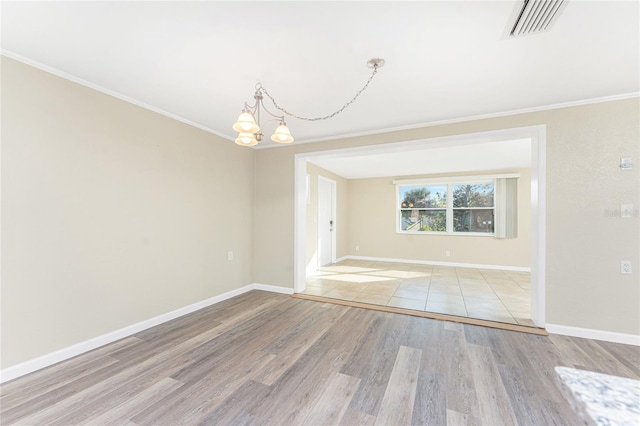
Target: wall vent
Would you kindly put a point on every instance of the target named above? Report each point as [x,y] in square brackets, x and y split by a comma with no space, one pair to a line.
[536,16]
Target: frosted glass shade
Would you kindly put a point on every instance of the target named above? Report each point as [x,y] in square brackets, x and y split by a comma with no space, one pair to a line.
[282,134]
[246,124]
[246,139]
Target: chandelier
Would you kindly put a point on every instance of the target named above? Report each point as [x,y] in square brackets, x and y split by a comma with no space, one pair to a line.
[250,132]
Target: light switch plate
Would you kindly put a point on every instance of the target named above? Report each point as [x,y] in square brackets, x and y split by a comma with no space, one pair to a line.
[626,211]
[626,163]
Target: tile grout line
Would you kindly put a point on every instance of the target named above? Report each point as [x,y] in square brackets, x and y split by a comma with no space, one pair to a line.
[464,299]
[404,273]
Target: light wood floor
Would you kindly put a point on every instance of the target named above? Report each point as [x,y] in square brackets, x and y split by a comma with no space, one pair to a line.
[263,358]
[486,294]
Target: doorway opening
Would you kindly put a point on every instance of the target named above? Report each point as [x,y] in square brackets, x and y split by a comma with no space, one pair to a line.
[535,135]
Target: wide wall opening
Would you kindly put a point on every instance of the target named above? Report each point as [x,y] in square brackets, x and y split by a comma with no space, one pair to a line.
[450,225]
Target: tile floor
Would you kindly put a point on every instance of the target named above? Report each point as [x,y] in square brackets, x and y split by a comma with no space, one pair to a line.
[494,295]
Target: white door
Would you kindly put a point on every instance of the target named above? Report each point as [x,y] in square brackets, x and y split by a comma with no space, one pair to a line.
[326,221]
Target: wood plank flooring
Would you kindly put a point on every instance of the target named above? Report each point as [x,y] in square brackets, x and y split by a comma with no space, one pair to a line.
[263,358]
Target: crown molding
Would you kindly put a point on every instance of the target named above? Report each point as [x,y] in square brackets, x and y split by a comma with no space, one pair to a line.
[117,95]
[70,77]
[582,102]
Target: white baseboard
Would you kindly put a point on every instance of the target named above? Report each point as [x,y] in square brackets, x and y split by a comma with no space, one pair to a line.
[63,354]
[271,288]
[434,263]
[340,259]
[607,336]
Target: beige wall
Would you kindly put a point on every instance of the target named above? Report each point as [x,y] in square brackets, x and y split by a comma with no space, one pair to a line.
[111,214]
[341,220]
[585,243]
[372,227]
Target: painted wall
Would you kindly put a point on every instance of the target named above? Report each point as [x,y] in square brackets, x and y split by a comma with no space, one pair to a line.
[585,241]
[341,220]
[111,214]
[372,227]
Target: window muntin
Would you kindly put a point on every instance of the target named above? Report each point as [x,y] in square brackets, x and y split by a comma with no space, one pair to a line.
[453,208]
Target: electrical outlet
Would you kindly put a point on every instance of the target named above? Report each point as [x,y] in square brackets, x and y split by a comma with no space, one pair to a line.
[357,248]
[625,267]
[626,211]
[447,253]
[229,255]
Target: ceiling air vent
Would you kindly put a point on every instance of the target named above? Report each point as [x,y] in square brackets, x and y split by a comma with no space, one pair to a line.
[536,16]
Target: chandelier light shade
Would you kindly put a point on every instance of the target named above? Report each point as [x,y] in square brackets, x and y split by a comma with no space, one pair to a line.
[249,127]
[249,132]
[282,134]
[246,123]
[246,139]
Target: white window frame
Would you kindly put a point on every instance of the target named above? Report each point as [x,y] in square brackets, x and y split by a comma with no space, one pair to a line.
[399,208]
[449,182]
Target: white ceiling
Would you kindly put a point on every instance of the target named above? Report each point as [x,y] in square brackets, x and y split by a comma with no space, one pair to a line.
[420,160]
[199,61]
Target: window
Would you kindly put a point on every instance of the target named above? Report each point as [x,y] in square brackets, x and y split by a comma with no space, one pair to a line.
[451,207]
[473,207]
[423,208]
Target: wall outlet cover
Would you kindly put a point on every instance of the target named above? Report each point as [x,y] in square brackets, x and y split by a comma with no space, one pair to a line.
[626,211]
[625,267]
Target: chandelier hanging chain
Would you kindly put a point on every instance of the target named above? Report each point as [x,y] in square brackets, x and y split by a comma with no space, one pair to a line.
[249,124]
[261,88]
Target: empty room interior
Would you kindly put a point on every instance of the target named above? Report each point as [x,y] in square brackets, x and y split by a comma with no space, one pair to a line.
[320,213]
[390,252]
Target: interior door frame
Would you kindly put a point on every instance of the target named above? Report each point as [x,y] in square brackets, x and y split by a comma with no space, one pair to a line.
[334,236]
[537,135]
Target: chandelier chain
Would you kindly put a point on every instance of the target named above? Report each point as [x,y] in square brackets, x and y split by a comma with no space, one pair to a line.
[326,117]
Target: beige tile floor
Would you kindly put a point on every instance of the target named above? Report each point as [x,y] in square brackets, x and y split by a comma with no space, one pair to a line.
[493,295]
